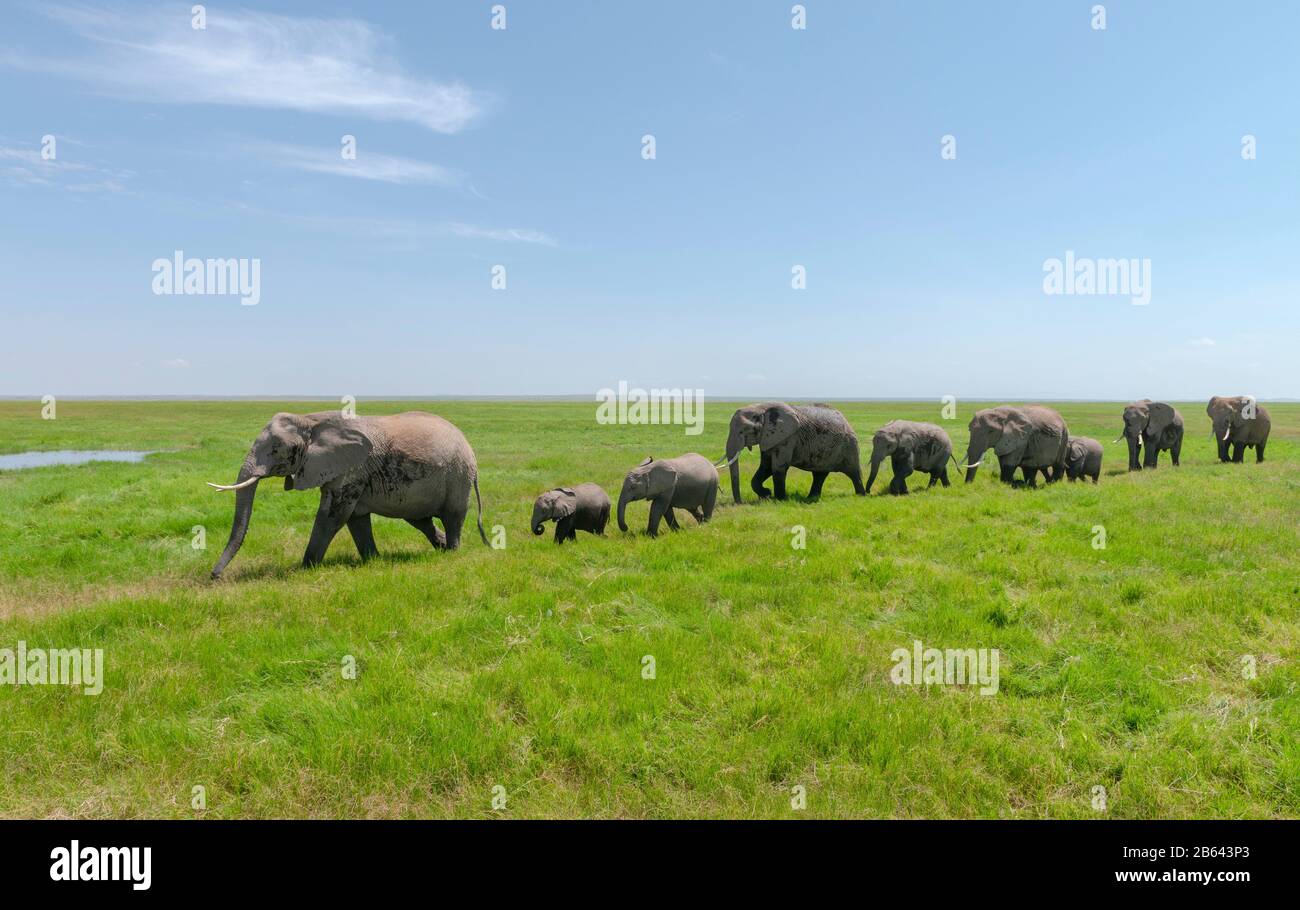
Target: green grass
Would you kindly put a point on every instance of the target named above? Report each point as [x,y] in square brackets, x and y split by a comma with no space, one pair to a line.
[522,668]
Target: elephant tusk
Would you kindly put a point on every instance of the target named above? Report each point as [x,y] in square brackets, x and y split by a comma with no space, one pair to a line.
[222,488]
[1227,433]
[726,464]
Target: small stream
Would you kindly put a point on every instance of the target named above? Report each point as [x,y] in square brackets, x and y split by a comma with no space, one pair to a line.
[67,456]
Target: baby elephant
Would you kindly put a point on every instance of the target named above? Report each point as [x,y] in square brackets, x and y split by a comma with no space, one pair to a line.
[687,482]
[573,509]
[910,447]
[1083,458]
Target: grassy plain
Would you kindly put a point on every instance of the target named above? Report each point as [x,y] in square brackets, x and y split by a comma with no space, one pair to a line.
[522,668]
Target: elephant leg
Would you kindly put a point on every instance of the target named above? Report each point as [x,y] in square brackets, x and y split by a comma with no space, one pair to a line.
[564,530]
[333,513]
[453,522]
[430,530]
[943,477]
[1259,453]
[710,501]
[604,520]
[698,514]
[761,475]
[1031,477]
[903,465]
[1238,450]
[819,478]
[778,484]
[658,507]
[854,473]
[1153,456]
[363,536]
[670,517]
[1175,451]
[934,478]
[1008,470]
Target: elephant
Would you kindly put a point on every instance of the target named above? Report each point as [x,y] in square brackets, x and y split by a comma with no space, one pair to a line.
[1083,458]
[1155,425]
[1032,438]
[687,482]
[912,447]
[1241,421]
[813,438]
[415,466]
[573,509]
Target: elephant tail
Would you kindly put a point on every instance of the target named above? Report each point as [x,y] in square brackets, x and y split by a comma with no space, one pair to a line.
[479,500]
[954,460]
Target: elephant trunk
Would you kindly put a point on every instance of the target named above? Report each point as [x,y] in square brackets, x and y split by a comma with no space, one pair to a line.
[539,518]
[973,457]
[734,446]
[623,499]
[1134,444]
[876,458]
[243,512]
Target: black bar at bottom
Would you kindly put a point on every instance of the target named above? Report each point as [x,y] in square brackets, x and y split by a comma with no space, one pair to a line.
[335,858]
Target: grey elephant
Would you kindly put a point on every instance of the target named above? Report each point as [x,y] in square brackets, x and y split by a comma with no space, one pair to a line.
[1032,438]
[814,438]
[687,482]
[1083,458]
[584,507]
[1156,426]
[1241,422]
[415,466]
[911,446]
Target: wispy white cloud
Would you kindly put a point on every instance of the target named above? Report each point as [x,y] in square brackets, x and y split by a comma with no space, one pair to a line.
[1202,342]
[504,235]
[177,363]
[338,66]
[366,166]
[26,166]
[406,231]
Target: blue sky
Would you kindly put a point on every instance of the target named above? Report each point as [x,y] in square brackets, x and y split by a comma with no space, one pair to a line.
[775,147]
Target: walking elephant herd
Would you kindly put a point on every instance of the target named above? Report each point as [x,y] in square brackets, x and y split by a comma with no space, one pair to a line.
[419,467]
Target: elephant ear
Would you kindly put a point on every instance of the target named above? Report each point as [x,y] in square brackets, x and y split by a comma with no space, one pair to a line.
[1015,433]
[566,503]
[779,426]
[334,449]
[1162,417]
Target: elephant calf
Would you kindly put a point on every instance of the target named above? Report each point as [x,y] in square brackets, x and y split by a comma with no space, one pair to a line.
[922,447]
[1083,458]
[687,482]
[573,509]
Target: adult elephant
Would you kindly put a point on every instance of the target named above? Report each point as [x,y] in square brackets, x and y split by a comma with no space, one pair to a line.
[1155,425]
[1032,438]
[923,447]
[813,438]
[1241,422]
[414,466]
